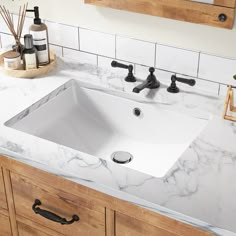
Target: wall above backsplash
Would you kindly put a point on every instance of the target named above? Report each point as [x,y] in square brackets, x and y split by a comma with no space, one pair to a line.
[154,29]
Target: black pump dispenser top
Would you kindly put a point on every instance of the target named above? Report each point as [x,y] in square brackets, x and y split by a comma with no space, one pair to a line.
[37,20]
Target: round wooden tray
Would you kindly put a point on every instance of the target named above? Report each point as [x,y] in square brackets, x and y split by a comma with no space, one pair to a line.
[42,70]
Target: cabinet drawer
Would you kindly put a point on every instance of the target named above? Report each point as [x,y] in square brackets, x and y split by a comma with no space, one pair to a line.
[5,228]
[32,230]
[128,226]
[26,191]
[3,202]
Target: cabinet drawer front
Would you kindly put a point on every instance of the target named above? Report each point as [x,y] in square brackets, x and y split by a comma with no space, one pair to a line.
[127,226]
[32,230]
[3,202]
[65,205]
[5,228]
[25,230]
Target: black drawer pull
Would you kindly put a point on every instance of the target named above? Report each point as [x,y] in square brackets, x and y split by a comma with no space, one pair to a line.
[51,216]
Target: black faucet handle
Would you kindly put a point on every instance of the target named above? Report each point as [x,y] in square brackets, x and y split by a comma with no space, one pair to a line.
[174,89]
[190,82]
[130,77]
[120,65]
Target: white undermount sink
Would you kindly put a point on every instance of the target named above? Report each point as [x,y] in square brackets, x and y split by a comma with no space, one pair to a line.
[100,123]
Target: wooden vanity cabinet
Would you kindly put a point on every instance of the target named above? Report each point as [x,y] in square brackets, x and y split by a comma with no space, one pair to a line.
[99,214]
[29,228]
[91,216]
[5,228]
[126,226]
[3,201]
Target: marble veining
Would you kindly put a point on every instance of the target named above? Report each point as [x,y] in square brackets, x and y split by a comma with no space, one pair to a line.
[199,189]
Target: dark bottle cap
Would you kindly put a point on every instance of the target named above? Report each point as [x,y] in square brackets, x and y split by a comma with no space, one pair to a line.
[28,39]
[37,20]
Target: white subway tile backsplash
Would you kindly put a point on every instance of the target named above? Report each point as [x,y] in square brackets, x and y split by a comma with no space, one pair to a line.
[105,63]
[201,84]
[97,48]
[217,69]
[97,42]
[223,90]
[141,72]
[56,49]
[3,26]
[28,22]
[81,57]
[7,40]
[63,35]
[137,51]
[164,76]
[177,60]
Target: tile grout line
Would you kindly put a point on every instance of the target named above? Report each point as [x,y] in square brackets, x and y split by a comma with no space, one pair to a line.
[219,89]
[135,68]
[198,64]
[79,38]
[62,51]
[155,56]
[115,46]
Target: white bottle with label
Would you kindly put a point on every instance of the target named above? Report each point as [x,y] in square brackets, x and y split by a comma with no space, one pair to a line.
[39,31]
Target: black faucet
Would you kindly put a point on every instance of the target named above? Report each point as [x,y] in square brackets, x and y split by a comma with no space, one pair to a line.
[151,82]
[174,89]
[130,77]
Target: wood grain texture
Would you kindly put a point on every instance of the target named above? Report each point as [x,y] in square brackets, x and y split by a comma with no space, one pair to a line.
[3,201]
[5,228]
[175,9]
[110,222]
[10,201]
[229,103]
[32,229]
[128,226]
[226,3]
[25,192]
[29,74]
[4,212]
[98,199]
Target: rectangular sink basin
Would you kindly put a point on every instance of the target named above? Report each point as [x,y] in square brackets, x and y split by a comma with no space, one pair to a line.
[110,126]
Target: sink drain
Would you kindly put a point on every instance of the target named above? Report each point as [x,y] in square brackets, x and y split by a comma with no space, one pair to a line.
[121,157]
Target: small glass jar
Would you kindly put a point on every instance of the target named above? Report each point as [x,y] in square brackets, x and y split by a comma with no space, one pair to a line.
[12,60]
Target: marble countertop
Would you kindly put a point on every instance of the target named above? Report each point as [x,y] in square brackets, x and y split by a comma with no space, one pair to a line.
[199,189]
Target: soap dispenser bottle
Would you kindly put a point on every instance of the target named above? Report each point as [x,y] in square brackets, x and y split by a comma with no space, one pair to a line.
[39,31]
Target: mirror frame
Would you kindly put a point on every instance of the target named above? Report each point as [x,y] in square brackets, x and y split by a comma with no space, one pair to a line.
[220,14]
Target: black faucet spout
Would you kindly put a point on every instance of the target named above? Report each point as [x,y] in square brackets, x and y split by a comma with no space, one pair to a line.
[142,86]
[151,82]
